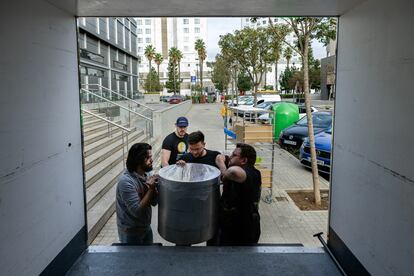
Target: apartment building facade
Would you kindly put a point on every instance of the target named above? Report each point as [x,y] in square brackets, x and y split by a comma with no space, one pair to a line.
[180,32]
[109,55]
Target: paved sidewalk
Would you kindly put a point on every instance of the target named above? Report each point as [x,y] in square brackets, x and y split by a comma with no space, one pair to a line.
[281,221]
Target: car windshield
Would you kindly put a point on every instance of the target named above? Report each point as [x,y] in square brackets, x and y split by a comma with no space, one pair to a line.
[249,102]
[322,120]
[264,105]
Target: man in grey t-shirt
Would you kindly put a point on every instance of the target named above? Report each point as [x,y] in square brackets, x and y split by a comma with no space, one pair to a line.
[135,193]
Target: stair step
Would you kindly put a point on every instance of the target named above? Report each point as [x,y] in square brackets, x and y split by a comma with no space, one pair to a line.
[110,149]
[102,126]
[95,192]
[88,117]
[92,138]
[100,213]
[102,143]
[94,122]
[96,172]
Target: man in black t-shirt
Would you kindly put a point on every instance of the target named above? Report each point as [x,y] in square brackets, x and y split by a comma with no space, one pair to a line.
[239,221]
[175,144]
[197,153]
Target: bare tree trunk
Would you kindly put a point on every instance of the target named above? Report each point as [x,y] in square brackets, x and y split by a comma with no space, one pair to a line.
[276,83]
[315,175]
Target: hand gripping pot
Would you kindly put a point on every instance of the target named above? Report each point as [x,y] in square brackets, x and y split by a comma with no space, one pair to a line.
[188,203]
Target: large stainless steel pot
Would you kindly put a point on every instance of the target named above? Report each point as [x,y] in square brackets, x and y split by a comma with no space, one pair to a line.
[188,203]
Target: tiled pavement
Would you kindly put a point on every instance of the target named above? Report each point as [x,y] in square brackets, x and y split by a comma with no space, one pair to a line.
[281,221]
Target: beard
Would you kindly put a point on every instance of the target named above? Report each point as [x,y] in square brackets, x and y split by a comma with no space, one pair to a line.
[147,168]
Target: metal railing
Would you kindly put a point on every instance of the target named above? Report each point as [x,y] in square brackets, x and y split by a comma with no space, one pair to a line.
[100,99]
[101,88]
[124,132]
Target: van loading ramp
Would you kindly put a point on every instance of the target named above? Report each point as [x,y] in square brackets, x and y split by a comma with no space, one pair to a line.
[181,260]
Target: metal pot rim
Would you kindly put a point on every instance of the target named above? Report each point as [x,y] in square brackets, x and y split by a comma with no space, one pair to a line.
[214,175]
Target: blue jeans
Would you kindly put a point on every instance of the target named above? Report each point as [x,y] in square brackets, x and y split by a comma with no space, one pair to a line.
[144,238]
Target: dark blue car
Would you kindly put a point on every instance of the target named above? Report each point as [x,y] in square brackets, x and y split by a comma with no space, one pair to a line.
[293,136]
[323,145]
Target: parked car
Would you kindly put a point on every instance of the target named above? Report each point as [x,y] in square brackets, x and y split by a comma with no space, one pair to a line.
[294,135]
[164,98]
[265,108]
[175,99]
[323,146]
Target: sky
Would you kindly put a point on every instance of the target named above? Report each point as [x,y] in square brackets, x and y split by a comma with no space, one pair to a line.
[222,26]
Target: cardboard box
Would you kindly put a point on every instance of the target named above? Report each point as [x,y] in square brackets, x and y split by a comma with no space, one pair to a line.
[266,176]
[252,133]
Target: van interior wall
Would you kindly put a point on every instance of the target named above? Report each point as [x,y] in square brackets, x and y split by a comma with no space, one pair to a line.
[372,202]
[41,181]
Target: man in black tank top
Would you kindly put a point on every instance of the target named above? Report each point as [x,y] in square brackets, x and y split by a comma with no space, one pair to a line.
[239,218]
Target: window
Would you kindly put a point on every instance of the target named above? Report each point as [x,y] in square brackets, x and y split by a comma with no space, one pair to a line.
[264,22]
[186,39]
[189,65]
[140,40]
[185,48]
[139,49]
[92,72]
[186,30]
[147,21]
[148,40]
[119,77]
[139,31]
[197,30]
[247,19]
[92,56]
[148,31]
[196,20]
[120,66]
[139,21]
[185,21]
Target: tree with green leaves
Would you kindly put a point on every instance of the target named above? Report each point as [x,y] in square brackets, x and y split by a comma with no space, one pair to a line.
[173,83]
[277,48]
[221,73]
[175,57]
[149,54]
[200,47]
[243,82]
[152,83]
[158,58]
[251,49]
[287,54]
[306,29]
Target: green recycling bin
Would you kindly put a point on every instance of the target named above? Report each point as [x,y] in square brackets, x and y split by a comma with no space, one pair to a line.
[285,114]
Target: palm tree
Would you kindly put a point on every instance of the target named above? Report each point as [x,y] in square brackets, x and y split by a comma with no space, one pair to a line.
[288,55]
[175,56]
[200,47]
[149,54]
[179,57]
[158,58]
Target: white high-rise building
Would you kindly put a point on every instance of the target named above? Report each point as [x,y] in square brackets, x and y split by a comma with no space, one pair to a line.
[271,76]
[164,33]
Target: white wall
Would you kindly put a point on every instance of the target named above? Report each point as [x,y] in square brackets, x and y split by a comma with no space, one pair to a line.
[372,207]
[41,184]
